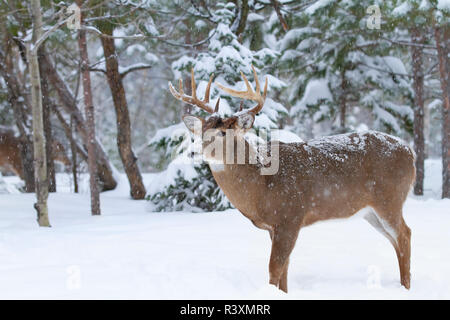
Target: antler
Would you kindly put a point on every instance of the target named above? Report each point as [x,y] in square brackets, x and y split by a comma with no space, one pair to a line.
[249,94]
[193,100]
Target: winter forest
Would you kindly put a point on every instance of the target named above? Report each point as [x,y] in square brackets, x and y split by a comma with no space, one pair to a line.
[96,144]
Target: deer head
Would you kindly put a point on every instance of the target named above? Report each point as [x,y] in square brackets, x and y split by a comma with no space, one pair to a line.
[215,128]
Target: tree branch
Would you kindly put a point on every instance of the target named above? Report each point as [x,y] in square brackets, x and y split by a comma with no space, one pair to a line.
[46,34]
[411,44]
[142,37]
[98,70]
[276,6]
[135,68]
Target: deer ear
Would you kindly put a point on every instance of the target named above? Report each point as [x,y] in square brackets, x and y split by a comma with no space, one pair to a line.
[245,120]
[193,123]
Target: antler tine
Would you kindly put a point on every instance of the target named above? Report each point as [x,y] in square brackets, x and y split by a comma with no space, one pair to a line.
[247,84]
[265,89]
[208,87]
[193,100]
[259,106]
[180,85]
[256,79]
[216,109]
[173,91]
[249,93]
[193,86]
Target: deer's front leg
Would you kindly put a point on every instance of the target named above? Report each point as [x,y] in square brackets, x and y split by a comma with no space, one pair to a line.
[283,241]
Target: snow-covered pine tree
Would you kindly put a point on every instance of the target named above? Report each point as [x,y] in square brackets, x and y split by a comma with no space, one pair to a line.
[189,186]
[342,68]
[414,27]
[414,21]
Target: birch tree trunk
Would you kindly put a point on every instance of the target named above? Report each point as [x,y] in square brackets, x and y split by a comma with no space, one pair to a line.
[442,39]
[40,161]
[419,140]
[129,160]
[90,120]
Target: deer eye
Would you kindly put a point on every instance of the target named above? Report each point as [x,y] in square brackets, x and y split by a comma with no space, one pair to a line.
[222,133]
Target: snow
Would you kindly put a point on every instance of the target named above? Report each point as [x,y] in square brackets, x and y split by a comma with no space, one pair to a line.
[173,132]
[287,136]
[254,17]
[200,24]
[123,70]
[424,5]
[395,65]
[385,117]
[229,53]
[317,5]
[6,188]
[402,9]
[274,83]
[137,47]
[119,32]
[150,57]
[316,90]
[444,5]
[433,173]
[131,253]
[181,165]
[150,27]
[293,35]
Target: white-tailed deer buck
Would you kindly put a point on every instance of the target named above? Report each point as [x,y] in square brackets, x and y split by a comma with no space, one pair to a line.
[327,178]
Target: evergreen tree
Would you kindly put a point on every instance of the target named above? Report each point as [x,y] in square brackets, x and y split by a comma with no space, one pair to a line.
[226,54]
[342,69]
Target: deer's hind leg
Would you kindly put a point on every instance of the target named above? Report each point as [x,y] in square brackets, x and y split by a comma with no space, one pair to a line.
[393,227]
[283,241]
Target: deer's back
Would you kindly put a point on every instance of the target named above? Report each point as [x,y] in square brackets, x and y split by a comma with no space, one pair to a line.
[339,175]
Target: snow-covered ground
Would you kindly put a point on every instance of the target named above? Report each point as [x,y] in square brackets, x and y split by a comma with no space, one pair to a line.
[129,252]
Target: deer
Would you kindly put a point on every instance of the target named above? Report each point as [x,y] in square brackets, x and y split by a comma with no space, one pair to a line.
[332,177]
[10,155]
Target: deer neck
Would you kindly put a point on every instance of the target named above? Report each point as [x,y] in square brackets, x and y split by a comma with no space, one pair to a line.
[240,179]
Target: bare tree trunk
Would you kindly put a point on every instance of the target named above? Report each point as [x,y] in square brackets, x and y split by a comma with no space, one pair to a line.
[276,6]
[48,132]
[40,162]
[69,104]
[26,152]
[129,160]
[343,102]
[239,25]
[419,139]
[73,150]
[68,128]
[90,119]
[442,49]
